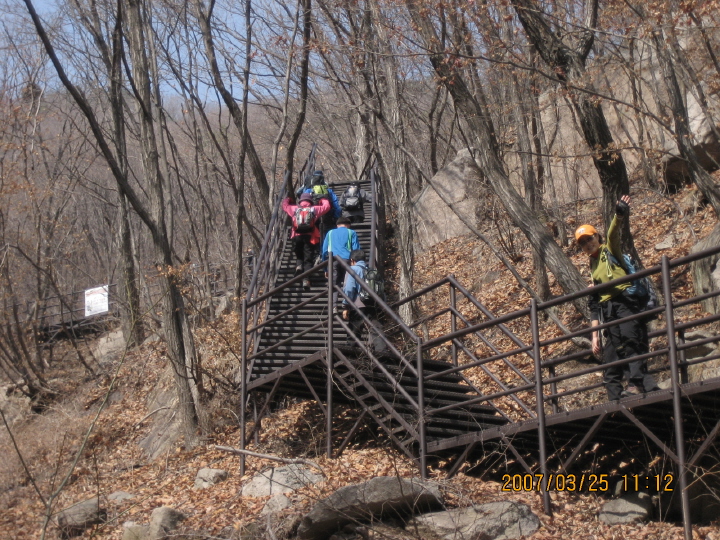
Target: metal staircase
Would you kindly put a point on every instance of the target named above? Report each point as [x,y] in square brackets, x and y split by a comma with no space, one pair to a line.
[477,393]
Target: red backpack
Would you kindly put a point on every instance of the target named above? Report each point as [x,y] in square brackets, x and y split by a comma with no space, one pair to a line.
[304,219]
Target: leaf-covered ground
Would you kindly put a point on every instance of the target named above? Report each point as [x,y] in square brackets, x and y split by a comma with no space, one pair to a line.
[117,404]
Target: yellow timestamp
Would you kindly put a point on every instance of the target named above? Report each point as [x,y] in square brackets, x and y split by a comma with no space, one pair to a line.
[639,482]
[556,482]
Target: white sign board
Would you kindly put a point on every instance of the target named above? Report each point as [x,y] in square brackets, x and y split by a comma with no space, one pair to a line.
[96,301]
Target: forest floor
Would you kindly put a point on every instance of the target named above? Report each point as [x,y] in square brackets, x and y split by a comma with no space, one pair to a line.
[86,442]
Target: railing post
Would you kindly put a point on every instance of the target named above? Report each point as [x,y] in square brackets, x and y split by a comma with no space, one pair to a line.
[683,367]
[453,321]
[422,443]
[243,379]
[329,354]
[677,405]
[539,399]
[373,214]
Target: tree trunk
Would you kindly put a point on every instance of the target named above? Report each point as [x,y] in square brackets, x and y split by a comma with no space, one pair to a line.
[489,161]
[568,63]
[398,175]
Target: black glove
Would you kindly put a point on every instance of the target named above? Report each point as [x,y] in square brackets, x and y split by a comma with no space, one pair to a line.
[622,208]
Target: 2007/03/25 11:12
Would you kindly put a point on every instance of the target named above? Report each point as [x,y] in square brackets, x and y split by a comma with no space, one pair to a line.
[635,482]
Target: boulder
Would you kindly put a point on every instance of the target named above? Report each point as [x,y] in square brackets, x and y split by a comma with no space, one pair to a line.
[492,521]
[701,350]
[109,346]
[629,508]
[280,480]
[706,272]
[209,477]
[74,520]
[163,521]
[382,497]
[120,496]
[166,430]
[461,183]
[133,531]
[276,504]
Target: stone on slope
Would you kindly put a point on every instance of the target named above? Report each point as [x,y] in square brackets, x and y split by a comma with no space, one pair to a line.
[163,521]
[280,480]
[382,497]
[501,520]
[629,508]
[208,477]
[74,520]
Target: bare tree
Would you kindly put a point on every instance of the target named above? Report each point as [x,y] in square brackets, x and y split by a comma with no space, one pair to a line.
[152,212]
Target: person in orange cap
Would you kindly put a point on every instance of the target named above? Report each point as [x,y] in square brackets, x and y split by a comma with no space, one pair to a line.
[627,338]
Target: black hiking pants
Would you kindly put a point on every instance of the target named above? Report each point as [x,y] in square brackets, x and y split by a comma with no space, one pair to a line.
[305,251]
[624,340]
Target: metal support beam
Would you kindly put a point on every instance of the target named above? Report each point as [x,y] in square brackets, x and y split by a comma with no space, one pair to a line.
[540,401]
[329,355]
[351,433]
[635,420]
[312,390]
[677,405]
[460,460]
[585,440]
[422,440]
[519,457]
[259,416]
[705,445]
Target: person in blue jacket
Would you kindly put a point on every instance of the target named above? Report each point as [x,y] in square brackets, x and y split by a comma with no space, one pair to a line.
[320,190]
[352,291]
[340,241]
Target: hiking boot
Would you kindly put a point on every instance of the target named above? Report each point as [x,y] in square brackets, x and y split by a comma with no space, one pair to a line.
[306,283]
[298,269]
[630,391]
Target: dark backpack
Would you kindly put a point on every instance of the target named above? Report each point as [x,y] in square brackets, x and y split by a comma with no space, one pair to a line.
[352,199]
[642,288]
[320,191]
[375,283]
[304,219]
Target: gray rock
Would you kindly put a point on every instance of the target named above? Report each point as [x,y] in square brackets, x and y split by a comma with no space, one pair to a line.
[280,480]
[133,531]
[386,496]
[701,350]
[209,477]
[492,521]
[109,346]
[74,520]
[163,521]
[276,504]
[461,182]
[629,508]
[666,244]
[120,496]
[166,424]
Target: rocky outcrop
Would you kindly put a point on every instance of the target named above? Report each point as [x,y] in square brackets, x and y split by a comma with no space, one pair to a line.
[163,521]
[461,183]
[207,477]
[280,480]
[379,498]
[629,508]
[492,521]
[706,272]
[74,520]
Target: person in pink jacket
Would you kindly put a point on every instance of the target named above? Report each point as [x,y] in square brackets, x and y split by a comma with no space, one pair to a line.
[305,233]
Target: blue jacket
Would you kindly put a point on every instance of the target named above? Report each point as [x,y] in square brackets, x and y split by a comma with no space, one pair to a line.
[336,211]
[342,241]
[352,287]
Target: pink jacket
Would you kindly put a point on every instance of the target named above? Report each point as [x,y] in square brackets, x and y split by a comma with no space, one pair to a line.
[322,208]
